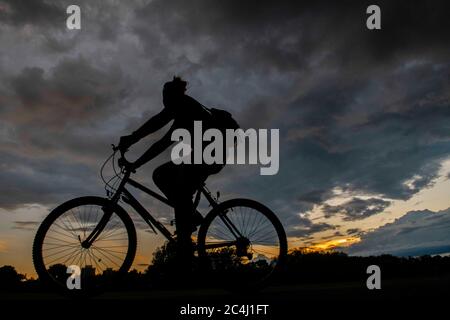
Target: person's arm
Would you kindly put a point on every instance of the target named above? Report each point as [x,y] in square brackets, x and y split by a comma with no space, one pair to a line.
[153,124]
[157,148]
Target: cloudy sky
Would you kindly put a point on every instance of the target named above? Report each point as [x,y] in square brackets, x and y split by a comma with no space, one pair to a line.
[364,116]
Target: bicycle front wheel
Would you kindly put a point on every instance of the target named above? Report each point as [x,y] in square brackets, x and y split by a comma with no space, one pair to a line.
[242,244]
[59,251]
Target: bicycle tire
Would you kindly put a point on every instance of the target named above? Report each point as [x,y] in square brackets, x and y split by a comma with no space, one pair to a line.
[38,259]
[270,215]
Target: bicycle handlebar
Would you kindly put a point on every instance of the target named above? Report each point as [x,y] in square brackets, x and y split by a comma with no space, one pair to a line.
[122,161]
[116,148]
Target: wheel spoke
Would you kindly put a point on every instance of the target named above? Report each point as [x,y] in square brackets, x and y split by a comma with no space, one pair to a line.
[258,241]
[60,243]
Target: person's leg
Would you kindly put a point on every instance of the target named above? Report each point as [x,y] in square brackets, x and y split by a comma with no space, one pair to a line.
[163,176]
[175,181]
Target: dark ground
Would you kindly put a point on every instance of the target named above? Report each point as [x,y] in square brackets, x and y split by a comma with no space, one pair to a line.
[402,297]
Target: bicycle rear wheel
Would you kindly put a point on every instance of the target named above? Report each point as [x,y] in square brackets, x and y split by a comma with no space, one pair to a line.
[242,244]
[58,245]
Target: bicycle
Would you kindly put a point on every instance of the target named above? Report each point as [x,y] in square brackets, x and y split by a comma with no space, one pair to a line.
[240,240]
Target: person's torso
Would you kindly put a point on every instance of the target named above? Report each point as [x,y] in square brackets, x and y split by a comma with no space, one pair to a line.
[185,112]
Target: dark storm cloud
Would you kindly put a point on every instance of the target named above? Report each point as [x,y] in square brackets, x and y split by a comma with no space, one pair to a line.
[416,233]
[334,235]
[373,135]
[44,181]
[35,12]
[63,107]
[363,111]
[356,208]
[292,37]
[315,196]
[26,225]
[60,122]
[292,34]
[354,231]
[53,45]
[304,228]
[84,92]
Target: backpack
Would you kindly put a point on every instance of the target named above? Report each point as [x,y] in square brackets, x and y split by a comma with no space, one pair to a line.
[221,120]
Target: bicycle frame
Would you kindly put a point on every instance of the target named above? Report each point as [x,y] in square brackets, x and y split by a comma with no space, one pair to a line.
[127,197]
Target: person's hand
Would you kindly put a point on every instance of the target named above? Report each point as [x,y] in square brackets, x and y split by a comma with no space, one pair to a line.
[123,163]
[126,142]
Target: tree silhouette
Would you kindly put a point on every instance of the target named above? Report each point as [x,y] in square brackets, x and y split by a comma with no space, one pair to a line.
[10,278]
[302,266]
[163,266]
[58,272]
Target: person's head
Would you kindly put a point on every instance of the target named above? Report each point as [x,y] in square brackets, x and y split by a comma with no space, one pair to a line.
[173,90]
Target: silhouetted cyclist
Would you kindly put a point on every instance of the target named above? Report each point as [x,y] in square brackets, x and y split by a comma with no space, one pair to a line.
[177,182]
